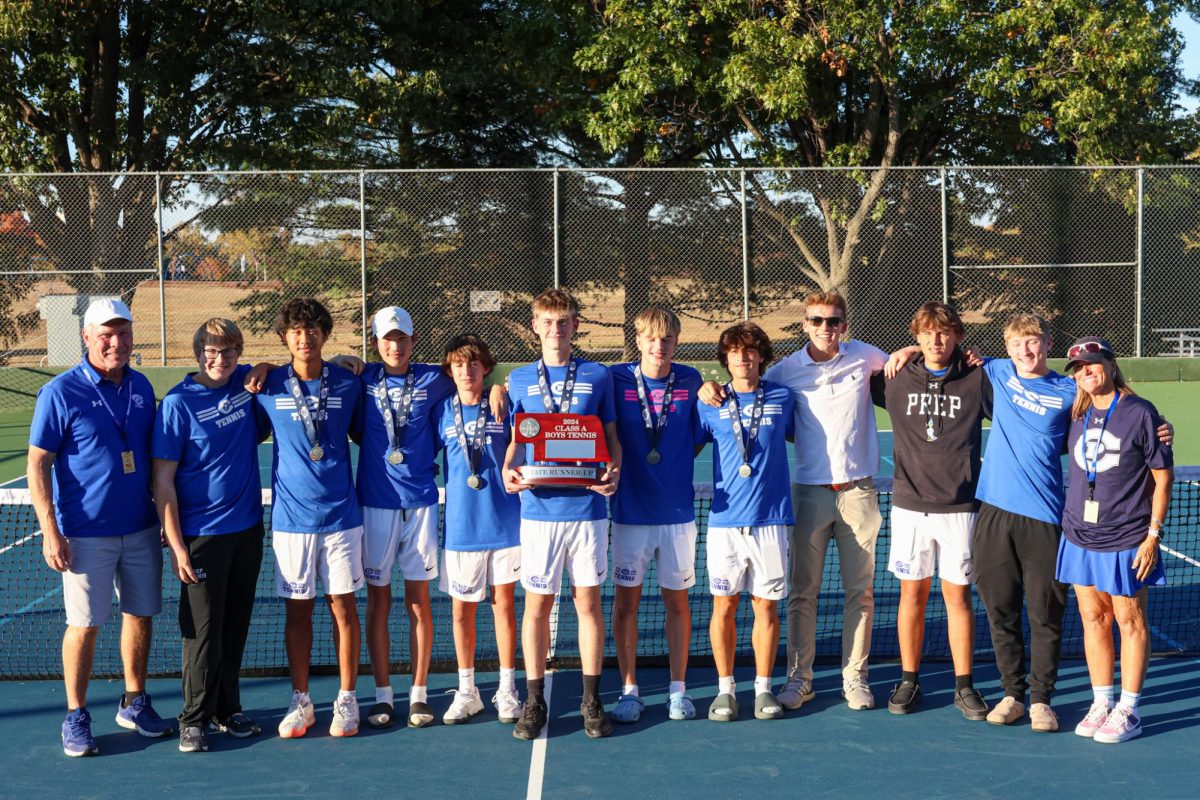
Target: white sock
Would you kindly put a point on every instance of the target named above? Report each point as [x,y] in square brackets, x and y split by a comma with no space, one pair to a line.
[762,683]
[725,685]
[383,694]
[466,680]
[508,679]
[304,698]
[1103,694]
[630,689]
[677,687]
[418,694]
[347,695]
[1130,699]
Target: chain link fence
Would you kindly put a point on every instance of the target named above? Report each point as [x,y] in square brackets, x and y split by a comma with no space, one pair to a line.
[1109,251]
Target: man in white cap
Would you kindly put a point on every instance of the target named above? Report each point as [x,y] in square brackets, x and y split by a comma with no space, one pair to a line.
[399,496]
[89,475]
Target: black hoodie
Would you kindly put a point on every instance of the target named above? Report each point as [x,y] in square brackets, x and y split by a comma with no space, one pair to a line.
[937,435]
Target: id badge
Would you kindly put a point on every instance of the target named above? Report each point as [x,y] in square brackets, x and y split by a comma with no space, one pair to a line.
[127,462]
[1091,511]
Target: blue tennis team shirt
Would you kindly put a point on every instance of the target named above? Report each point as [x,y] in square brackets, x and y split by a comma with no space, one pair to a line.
[411,484]
[662,493]
[487,518]
[93,496]
[313,496]
[765,498]
[1022,465]
[213,434]
[593,394]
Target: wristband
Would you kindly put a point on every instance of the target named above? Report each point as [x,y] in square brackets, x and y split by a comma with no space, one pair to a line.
[1155,533]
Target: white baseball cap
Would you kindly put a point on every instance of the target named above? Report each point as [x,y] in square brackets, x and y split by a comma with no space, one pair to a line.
[392,318]
[106,310]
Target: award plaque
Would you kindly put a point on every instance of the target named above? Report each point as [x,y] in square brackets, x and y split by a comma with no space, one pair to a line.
[573,442]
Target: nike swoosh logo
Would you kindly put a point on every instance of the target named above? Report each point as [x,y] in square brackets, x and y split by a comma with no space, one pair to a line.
[429,569]
[517,568]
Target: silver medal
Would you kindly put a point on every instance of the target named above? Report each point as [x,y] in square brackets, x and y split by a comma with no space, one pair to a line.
[745,470]
[395,457]
[317,452]
[474,481]
[653,457]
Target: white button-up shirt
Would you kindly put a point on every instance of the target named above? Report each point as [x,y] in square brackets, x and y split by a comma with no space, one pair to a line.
[836,439]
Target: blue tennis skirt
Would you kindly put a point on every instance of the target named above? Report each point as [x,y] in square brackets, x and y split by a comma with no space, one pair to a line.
[1112,573]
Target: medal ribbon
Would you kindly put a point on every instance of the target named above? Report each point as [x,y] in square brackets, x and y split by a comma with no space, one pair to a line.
[395,423]
[654,429]
[473,448]
[746,444]
[310,421]
[111,413]
[564,404]
[1094,462]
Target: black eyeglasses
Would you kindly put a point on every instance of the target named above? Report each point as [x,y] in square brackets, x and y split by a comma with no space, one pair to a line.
[832,322]
[1087,347]
[228,353]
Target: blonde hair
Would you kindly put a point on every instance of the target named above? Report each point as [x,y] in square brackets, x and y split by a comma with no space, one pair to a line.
[556,301]
[937,316]
[834,299]
[1083,400]
[656,322]
[1026,325]
[221,329]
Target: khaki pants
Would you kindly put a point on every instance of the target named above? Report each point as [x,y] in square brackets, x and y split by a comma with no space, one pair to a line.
[851,518]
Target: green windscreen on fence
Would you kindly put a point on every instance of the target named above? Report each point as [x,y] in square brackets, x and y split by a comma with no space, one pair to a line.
[32,618]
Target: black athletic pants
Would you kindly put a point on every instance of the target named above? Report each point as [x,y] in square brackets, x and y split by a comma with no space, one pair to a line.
[1014,560]
[214,617]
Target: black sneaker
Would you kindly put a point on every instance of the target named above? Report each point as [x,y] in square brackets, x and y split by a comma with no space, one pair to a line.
[533,719]
[191,740]
[595,721]
[970,702]
[906,696]
[237,725]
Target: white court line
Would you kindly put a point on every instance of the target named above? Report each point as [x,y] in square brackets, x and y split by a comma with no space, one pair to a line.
[19,542]
[11,482]
[1165,549]
[537,761]
[30,606]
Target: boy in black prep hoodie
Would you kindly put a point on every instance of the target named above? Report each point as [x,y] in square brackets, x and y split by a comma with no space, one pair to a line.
[937,403]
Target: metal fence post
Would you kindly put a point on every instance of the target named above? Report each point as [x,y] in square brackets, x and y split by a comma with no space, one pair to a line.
[745,251]
[1140,259]
[362,254]
[945,243]
[555,232]
[162,289]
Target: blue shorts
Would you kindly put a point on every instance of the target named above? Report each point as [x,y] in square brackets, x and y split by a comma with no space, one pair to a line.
[1112,573]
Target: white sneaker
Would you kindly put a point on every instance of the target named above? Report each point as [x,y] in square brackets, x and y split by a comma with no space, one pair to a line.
[464,706]
[508,705]
[345,717]
[858,694]
[796,692]
[300,717]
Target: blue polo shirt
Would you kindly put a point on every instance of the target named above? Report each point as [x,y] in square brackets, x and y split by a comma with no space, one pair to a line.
[410,484]
[213,434]
[487,518]
[662,493]
[593,394]
[87,422]
[313,496]
[764,498]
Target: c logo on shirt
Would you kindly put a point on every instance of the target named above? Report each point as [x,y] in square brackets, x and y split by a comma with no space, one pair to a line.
[224,406]
[139,402]
[1105,450]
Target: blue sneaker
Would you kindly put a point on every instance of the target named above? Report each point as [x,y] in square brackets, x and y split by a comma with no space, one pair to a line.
[680,706]
[628,708]
[140,716]
[77,734]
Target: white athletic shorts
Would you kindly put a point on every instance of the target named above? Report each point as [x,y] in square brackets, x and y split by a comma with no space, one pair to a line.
[407,537]
[672,546]
[920,538]
[301,557]
[130,564]
[547,548]
[466,574]
[754,558]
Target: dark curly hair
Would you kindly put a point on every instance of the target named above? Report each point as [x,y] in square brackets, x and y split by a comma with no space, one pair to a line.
[303,312]
[745,335]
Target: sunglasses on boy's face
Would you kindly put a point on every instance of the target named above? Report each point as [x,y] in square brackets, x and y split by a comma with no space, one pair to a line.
[817,322]
[1087,347]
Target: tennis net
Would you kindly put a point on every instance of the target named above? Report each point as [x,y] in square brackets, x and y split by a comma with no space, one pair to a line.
[32,617]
